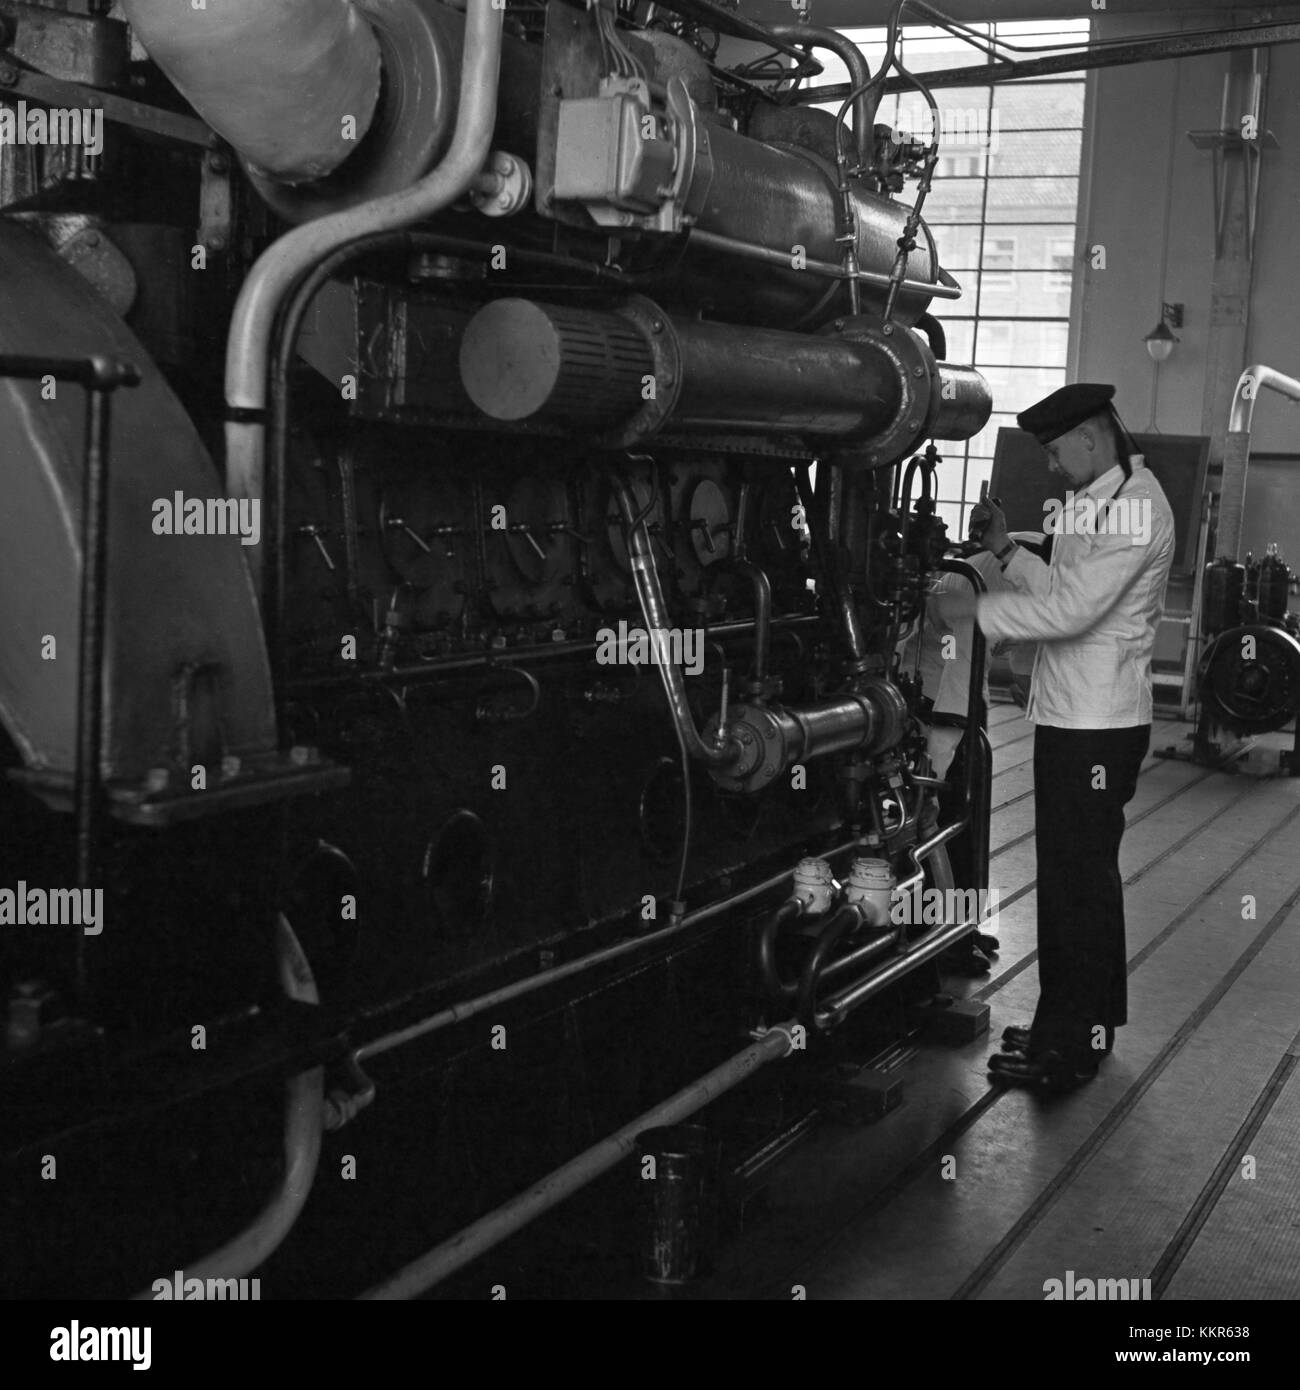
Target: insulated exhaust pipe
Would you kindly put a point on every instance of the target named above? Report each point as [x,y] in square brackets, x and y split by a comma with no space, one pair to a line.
[291,84]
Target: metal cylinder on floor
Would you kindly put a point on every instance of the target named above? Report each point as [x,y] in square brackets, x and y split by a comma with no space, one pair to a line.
[678,1175]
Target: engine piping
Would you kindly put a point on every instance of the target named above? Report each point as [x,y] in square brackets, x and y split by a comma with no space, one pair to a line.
[1236,452]
[814,36]
[280,80]
[304,1122]
[294,255]
[467,1245]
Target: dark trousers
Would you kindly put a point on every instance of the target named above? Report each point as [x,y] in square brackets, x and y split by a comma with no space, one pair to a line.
[1083,779]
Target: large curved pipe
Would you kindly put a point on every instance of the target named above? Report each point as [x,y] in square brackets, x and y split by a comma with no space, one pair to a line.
[304,1120]
[1236,451]
[813,36]
[291,84]
[777,988]
[279,269]
[1253,380]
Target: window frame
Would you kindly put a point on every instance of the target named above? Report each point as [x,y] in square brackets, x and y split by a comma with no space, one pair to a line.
[957,495]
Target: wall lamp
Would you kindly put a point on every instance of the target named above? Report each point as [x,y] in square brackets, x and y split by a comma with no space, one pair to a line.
[1160,341]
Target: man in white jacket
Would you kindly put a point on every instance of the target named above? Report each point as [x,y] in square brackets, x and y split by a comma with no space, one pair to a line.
[1093,609]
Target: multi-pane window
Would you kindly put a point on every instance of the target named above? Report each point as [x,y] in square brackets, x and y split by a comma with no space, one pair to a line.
[999,258]
[1060,252]
[1003,210]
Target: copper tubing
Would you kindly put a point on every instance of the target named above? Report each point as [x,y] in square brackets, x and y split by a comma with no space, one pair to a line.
[277,79]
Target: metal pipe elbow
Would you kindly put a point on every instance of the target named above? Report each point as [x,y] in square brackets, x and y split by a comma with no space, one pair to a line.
[848,918]
[1255,378]
[292,84]
[814,36]
[777,988]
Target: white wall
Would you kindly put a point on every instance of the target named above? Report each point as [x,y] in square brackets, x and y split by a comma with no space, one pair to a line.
[1150,202]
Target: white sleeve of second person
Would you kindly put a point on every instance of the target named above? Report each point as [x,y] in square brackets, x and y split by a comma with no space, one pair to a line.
[1026,572]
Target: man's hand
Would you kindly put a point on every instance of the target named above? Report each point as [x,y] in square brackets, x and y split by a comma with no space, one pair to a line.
[988,525]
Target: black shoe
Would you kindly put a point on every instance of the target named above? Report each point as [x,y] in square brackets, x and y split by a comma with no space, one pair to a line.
[1048,1071]
[1016,1039]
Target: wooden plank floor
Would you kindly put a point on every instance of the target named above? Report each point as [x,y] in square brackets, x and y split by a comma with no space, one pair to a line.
[1178,1164]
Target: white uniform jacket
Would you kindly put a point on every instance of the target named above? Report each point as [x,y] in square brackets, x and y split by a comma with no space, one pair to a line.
[1094,610]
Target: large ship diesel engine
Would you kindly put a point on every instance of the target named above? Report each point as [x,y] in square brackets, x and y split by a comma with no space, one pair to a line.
[468,472]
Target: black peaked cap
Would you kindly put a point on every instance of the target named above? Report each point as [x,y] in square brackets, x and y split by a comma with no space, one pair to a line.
[1065,409]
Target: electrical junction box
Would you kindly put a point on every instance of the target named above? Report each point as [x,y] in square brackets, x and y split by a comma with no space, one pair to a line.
[609,155]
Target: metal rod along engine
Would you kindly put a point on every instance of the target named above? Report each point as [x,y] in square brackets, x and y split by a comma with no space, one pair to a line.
[493,677]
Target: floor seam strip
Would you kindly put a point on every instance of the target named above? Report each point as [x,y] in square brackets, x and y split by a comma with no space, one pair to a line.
[1185,1236]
